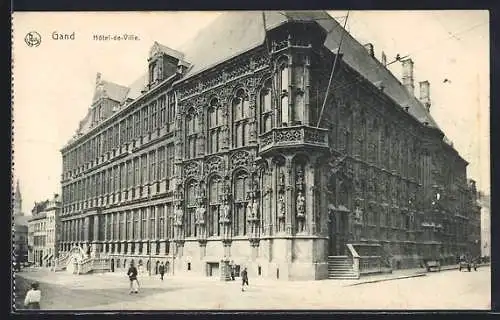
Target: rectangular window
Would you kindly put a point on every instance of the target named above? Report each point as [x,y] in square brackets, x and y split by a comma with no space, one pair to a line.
[144,172]
[152,163]
[161,163]
[170,160]
[137,124]
[137,172]
[145,119]
[152,222]
[136,224]
[162,117]
[161,222]
[143,223]
[154,120]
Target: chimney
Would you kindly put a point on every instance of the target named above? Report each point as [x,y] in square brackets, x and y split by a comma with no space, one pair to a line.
[408,75]
[425,97]
[384,59]
[369,48]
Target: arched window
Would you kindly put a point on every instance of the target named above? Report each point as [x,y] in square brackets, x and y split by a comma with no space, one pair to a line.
[191,133]
[189,227]
[214,200]
[240,118]
[214,126]
[240,203]
[283,83]
[266,110]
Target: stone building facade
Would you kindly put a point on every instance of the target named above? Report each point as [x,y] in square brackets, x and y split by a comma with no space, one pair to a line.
[44,232]
[216,159]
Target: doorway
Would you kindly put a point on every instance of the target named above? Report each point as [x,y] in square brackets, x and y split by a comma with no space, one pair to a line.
[112,265]
[213,269]
[337,232]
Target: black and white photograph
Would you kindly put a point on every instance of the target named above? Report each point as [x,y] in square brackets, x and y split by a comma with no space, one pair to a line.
[251,160]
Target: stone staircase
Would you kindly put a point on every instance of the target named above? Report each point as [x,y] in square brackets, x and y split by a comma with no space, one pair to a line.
[341,267]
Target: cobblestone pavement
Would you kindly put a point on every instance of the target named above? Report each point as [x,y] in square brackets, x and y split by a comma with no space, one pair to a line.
[441,290]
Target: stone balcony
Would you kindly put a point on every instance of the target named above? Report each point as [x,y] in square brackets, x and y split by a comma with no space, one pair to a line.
[293,137]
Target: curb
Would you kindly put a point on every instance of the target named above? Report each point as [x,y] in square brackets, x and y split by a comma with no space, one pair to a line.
[388,279]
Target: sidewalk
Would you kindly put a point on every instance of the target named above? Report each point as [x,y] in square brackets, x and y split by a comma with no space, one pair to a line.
[402,274]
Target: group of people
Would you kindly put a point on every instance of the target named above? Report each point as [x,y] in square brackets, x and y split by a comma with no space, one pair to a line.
[33,296]
[134,282]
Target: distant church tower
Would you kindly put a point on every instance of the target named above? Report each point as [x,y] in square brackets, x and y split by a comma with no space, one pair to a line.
[18,202]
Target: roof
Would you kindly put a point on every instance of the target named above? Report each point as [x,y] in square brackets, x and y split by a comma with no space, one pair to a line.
[110,90]
[233,33]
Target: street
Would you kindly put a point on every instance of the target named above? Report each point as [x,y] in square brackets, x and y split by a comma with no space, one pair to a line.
[440,290]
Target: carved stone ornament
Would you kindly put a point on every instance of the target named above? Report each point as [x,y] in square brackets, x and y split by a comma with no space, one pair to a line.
[240,158]
[214,164]
[191,169]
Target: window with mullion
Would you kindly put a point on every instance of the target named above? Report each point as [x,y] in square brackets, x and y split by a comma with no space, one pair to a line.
[191,133]
[143,224]
[240,117]
[240,203]
[137,124]
[214,125]
[161,222]
[283,83]
[152,171]
[266,114]
[215,192]
[161,163]
[162,106]
[154,120]
[145,120]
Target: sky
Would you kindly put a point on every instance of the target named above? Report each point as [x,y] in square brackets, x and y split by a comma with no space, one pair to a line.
[53,83]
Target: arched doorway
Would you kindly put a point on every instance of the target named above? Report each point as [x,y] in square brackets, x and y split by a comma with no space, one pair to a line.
[112,265]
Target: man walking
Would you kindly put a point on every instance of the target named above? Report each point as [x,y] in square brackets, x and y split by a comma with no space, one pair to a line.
[244,279]
[161,270]
[132,275]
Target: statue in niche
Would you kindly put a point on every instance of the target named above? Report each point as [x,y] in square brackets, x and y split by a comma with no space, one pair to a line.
[281,212]
[178,215]
[300,177]
[301,204]
[281,206]
[200,213]
[301,209]
[282,179]
[226,211]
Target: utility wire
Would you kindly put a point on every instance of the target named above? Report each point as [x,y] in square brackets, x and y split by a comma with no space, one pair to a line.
[360,78]
[333,70]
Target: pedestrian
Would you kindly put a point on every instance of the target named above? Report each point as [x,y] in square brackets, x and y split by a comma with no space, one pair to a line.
[161,269]
[233,271]
[33,296]
[244,279]
[132,275]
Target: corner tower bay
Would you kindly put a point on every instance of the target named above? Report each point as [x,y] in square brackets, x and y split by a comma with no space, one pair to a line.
[214,159]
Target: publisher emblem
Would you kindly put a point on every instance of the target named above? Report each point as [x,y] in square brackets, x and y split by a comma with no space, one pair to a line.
[33,39]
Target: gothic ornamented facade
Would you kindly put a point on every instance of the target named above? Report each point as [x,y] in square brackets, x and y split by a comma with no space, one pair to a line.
[233,159]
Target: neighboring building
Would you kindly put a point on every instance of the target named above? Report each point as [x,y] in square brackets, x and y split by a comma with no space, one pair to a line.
[44,232]
[223,154]
[20,226]
[485,203]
